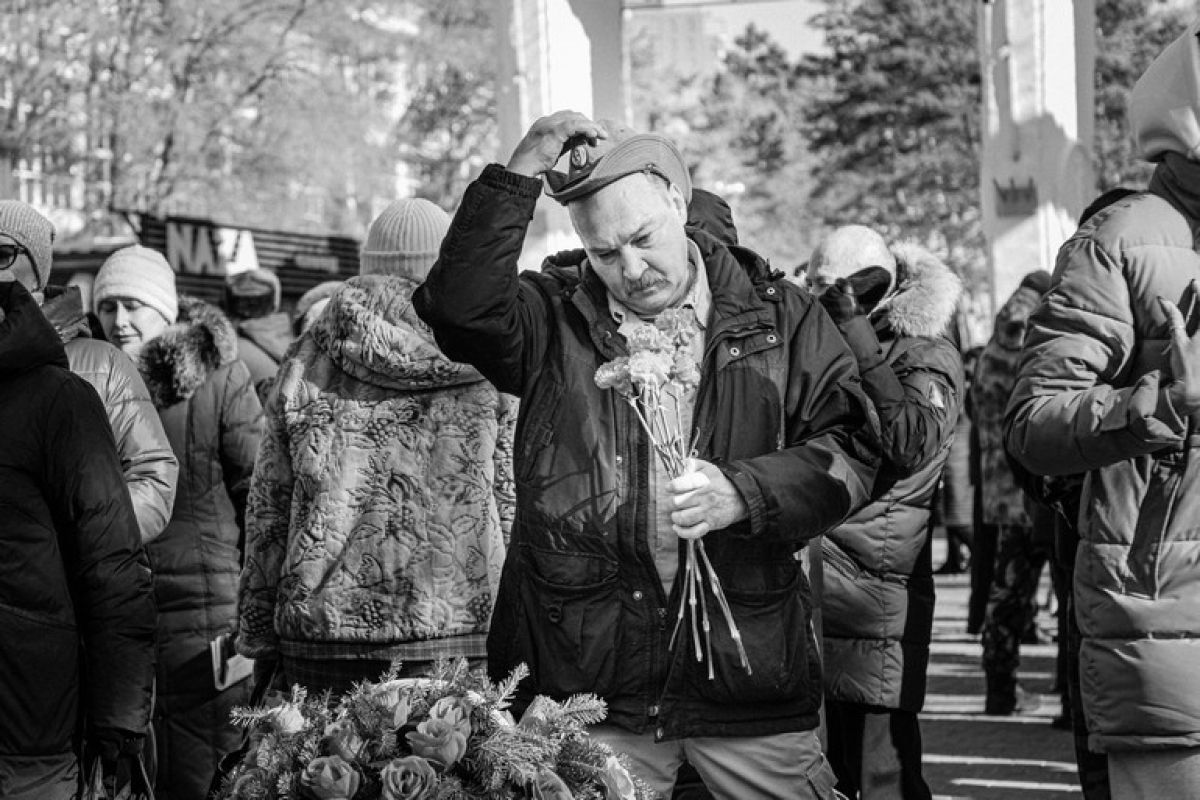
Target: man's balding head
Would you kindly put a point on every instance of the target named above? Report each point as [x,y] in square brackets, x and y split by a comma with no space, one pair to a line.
[844,252]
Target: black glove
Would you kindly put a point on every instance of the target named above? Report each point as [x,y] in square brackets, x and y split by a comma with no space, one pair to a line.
[856,295]
[119,753]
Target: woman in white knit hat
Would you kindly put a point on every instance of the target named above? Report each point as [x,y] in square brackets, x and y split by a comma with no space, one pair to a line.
[187,353]
[383,495]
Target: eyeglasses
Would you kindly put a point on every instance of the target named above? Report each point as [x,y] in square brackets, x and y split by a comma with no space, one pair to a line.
[9,253]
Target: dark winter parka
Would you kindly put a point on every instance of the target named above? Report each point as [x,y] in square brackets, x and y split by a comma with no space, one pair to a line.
[779,409]
[212,417]
[878,593]
[72,568]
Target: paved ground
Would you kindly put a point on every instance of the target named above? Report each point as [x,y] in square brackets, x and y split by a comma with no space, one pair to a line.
[969,755]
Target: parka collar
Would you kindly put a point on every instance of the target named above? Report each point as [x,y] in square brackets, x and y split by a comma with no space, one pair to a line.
[1177,180]
[64,308]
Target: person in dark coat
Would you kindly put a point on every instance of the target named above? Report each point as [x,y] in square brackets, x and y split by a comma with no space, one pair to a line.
[893,305]
[784,438]
[264,333]
[76,605]
[208,406]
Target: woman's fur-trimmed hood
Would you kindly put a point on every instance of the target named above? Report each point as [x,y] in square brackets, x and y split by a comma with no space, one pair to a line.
[927,294]
[371,332]
[179,361]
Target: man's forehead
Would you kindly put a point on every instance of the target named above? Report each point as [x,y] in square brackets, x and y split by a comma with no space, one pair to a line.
[621,210]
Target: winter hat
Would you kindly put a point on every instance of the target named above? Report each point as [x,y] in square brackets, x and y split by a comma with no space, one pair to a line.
[141,274]
[251,294]
[404,240]
[33,232]
[1038,280]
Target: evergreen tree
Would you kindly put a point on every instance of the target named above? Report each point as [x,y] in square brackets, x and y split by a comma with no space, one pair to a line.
[1129,34]
[894,122]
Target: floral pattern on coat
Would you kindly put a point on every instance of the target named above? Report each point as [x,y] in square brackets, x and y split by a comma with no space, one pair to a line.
[383,493]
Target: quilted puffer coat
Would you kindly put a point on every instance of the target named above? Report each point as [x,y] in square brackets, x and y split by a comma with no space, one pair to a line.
[1092,397]
[878,593]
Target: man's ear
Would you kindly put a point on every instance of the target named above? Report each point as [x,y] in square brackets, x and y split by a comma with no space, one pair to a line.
[678,203]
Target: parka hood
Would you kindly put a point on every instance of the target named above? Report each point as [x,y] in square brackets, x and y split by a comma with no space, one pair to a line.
[273,333]
[1164,107]
[179,361]
[371,331]
[927,294]
[27,339]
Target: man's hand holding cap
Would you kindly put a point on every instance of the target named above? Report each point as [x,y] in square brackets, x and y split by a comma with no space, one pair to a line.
[546,140]
[600,153]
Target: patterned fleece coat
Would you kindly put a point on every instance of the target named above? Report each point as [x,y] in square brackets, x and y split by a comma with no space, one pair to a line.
[383,494]
[1001,500]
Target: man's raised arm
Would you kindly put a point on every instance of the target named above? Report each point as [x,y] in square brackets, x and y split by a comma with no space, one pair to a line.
[480,311]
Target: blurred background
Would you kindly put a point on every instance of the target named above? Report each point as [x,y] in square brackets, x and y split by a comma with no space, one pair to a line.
[241,133]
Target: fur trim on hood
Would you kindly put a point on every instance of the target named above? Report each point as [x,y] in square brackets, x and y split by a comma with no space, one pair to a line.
[179,361]
[927,295]
[371,332]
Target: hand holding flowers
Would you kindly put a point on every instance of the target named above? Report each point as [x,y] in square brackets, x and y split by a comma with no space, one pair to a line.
[657,376]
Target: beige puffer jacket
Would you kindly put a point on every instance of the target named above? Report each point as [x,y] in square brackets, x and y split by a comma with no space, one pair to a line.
[1091,397]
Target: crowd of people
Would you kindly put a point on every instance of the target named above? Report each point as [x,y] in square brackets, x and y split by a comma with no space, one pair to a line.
[423,462]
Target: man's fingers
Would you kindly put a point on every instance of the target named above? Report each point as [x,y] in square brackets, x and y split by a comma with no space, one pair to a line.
[692,532]
[689,482]
[1175,322]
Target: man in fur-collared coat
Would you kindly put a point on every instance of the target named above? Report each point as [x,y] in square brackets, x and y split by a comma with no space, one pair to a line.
[893,306]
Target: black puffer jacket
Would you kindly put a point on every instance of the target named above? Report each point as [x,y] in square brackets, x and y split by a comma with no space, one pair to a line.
[72,568]
[779,409]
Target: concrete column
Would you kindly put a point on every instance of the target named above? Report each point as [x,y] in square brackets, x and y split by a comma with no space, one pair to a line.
[556,54]
[1037,60]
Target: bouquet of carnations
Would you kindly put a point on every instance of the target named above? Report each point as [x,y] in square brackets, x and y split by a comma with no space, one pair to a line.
[444,737]
[655,378]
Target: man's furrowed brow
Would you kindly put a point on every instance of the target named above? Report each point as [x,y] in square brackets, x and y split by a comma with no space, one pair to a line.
[647,227]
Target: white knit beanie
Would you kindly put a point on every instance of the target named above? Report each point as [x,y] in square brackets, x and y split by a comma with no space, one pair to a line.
[404,240]
[33,232]
[141,274]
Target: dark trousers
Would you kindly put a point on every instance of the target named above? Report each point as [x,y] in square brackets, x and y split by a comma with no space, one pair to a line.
[875,752]
[983,566]
[1020,557]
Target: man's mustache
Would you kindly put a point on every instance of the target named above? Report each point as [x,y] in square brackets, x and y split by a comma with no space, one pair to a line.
[647,281]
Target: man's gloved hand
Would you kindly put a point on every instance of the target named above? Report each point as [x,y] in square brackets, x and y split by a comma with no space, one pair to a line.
[118,753]
[856,295]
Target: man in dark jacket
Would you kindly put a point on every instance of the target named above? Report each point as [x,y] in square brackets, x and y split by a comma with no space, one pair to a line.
[76,610]
[784,437]
[893,306]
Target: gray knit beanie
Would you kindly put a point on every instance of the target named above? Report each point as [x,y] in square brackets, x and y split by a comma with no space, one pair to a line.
[33,232]
[404,240]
